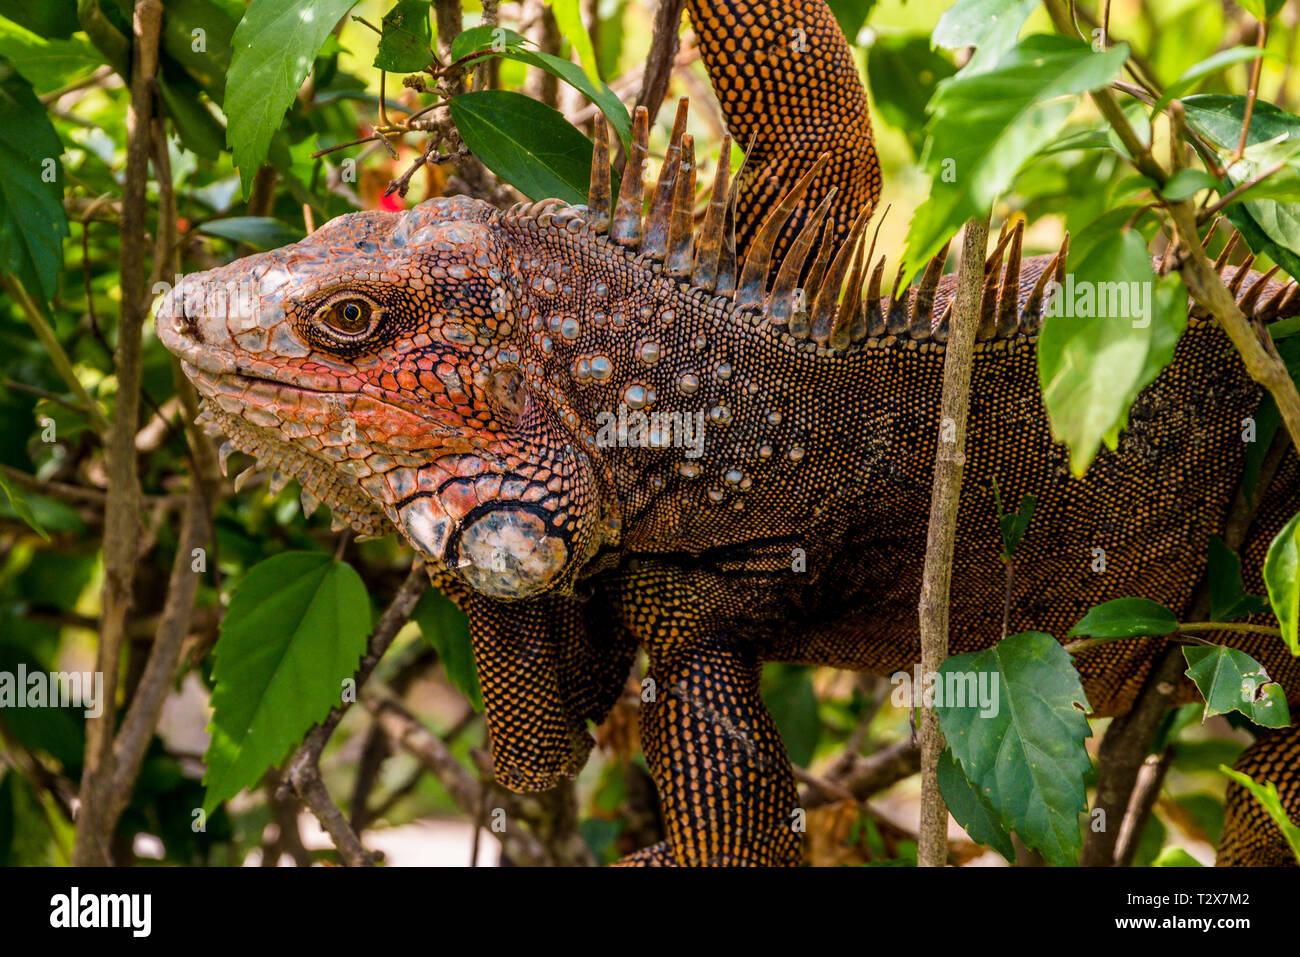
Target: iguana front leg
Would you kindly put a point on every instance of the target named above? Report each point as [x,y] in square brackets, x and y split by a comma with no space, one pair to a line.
[544,673]
[785,78]
[725,782]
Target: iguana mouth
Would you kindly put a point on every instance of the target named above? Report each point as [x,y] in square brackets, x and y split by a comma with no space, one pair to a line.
[322,481]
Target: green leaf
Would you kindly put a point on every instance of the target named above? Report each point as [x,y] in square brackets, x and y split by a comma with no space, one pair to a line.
[1013,524]
[52,19]
[445,627]
[195,125]
[1281,566]
[789,696]
[1231,680]
[1270,228]
[21,508]
[991,25]
[1106,335]
[568,16]
[274,46]
[1076,139]
[485,38]
[108,33]
[1228,598]
[47,64]
[969,809]
[1193,75]
[526,143]
[601,95]
[851,15]
[1027,759]
[404,42]
[295,630]
[260,232]
[1186,183]
[1261,9]
[1266,794]
[32,220]
[985,125]
[1126,618]
[902,73]
[211,21]
[1175,857]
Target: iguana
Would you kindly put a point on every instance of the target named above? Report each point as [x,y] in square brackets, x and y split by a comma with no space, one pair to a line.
[443,372]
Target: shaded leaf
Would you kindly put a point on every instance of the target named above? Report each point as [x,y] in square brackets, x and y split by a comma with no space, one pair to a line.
[32,220]
[445,627]
[851,15]
[902,73]
[1126,618]
[260,232]
[52,19]
[969,808]
[1027,759]
[526,143]
[404,42]
[598,93]
[1231,680]
[21,508]
[1228,598]
[1281,566]
[789,696]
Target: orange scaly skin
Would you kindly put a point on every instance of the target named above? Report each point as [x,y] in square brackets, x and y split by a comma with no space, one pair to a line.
[443,372]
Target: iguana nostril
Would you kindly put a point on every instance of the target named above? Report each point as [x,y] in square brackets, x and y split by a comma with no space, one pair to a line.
[509,553]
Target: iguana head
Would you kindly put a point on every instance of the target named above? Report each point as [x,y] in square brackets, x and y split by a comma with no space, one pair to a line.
[441,370]
[378,362]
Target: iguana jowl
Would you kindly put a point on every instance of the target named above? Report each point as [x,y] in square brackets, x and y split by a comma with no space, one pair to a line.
[443,372]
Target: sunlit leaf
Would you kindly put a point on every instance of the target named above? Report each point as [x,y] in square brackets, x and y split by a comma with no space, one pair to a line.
[274,46]
[295,630]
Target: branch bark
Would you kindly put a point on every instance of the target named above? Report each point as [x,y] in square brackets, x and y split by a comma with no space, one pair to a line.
[663,51]
[945,498]
[518,844]
[122,515]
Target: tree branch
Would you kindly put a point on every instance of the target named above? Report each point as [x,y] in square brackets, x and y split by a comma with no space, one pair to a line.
[945,498]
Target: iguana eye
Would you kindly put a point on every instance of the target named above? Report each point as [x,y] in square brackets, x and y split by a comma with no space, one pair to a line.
[351,317]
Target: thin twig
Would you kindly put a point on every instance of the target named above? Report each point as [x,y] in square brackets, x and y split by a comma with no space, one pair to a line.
[1252,93]
[62,364]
